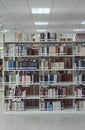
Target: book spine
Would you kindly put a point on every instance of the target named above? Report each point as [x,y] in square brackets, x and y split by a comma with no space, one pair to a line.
[48,106]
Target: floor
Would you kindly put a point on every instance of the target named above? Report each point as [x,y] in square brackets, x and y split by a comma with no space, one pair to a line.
[26,122]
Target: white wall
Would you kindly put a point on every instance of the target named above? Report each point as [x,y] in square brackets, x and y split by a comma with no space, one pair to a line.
[42,123]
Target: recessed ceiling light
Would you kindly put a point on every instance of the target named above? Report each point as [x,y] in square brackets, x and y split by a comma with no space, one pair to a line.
[78,30]
[41,23]
[83,22]
[41,30]
[40,10]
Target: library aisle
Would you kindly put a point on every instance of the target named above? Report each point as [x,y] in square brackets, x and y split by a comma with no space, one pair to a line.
[42,64]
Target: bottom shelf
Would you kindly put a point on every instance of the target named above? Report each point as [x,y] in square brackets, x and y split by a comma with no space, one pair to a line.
[36,106]
[36,112]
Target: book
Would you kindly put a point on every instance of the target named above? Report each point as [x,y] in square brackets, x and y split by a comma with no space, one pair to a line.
[55,79]
[42,36]
[46,78]
[83,77]
[60,92]
[48,106]
[42,105]
[51,78]
[82,105]
[53,93]
[24,51]
[23,94]
[46,93]
[56,105]
[48,36]
[50,93]
[42,93]
[9,64]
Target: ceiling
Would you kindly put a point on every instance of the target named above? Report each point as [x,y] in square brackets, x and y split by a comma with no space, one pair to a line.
[65,15]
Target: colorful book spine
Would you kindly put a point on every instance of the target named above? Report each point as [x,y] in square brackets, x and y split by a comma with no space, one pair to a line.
[48,105]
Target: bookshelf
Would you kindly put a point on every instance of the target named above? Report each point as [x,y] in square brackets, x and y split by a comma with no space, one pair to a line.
[44,76]
[1,78]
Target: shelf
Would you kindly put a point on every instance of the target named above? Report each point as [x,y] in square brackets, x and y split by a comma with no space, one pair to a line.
[43,97]
[56,55]
[15,83]
[57,97]
[57,69]
[21,56]
[21,97]
[80,68]
[79,54]
[58,83]
[22,69]
[35,112]
[39,56]
[42,69]
[45,83]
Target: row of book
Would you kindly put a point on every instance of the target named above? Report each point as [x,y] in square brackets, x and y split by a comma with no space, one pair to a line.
[55,50]
[60,92]
[44,62]
[57,65]
[79,63]
[24,50]
[31,65]
[19,50]
[54,63]
[56,77]
[79,49]
[21,104]
[15,105]
[21,91]
[80,77]
[56,92]
[22,77]
[11,64]
[60,105]
[81,105]
[15,91]
[56,104]
[21,64]
[48,36]
[51,36]
[80,37]
[49,106]
[80,91]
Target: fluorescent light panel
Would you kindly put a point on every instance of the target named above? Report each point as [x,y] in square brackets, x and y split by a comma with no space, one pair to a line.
[40,10]
[1,47]
[4,31]
[78,30]
[41,30]
[83,22]
[41,23]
